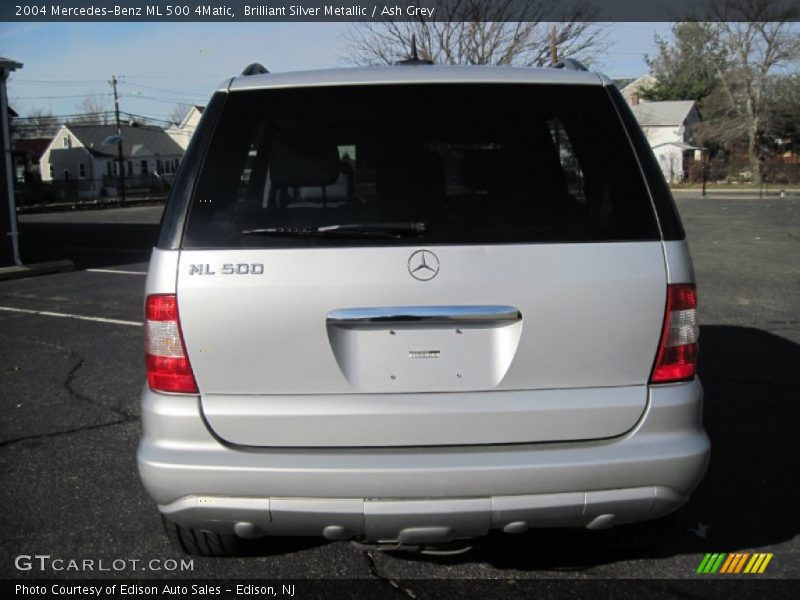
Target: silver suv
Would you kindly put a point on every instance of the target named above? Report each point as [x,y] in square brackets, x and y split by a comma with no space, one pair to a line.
[411,305]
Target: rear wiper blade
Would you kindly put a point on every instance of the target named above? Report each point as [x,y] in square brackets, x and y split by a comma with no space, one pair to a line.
[394,229]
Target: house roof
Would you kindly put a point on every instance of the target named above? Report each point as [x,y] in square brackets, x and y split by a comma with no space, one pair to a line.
[133,138]
[681,145]
[194,108]
[33,146]
[663,114]
[634,86]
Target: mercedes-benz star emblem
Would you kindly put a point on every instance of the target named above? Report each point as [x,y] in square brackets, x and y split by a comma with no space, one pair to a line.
[423,265]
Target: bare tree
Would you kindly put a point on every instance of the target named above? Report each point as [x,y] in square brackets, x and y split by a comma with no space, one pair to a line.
[38,123]
[178,113]
[506,32]
[94,110]
[759,41]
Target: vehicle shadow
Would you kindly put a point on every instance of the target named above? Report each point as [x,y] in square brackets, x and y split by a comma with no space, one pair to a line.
[749,496]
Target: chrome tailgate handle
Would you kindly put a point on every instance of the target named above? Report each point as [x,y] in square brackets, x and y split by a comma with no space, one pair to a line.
[489,314]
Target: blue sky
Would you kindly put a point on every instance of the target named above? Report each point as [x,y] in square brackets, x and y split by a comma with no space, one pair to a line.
[186,61]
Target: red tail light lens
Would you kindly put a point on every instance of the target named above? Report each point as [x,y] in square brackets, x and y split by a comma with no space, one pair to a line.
[168,368]
[677,352]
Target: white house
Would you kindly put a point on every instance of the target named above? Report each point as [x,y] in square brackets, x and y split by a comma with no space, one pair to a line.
[182,132]
[634,89]
[668,127]
[88,155]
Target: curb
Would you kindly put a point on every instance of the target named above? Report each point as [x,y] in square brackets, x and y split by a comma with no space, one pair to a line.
[32,270]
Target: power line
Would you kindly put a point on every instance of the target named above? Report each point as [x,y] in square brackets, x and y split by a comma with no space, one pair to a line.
[15,98]
[217,77]
[42,120]
[165,100]
[54,117]
[68,82]
[160,89]
[135,115]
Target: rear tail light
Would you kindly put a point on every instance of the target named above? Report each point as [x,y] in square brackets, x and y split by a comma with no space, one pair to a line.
[168,368]
[677,352]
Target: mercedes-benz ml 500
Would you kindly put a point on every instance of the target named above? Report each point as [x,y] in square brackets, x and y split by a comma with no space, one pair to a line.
[413,304]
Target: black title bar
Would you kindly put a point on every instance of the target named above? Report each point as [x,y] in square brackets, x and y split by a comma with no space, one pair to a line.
[408,10]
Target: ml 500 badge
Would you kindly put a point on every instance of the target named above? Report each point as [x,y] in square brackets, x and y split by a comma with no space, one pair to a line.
[228,269]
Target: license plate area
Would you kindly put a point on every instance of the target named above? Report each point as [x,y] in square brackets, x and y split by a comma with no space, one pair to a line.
[414,354]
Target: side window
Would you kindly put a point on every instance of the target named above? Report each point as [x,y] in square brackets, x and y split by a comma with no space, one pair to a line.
[570,166]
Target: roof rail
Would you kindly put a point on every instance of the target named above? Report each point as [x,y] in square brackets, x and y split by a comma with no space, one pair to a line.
[254,69]
[570,64]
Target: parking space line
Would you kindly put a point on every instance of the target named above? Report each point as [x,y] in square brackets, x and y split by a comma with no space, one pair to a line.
[117,271]
[46,313]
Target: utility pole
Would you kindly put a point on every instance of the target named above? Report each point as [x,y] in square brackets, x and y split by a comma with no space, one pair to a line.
[9,235]
[553,46]
[120,156]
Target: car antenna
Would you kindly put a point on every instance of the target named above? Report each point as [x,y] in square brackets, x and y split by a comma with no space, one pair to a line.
[414,59]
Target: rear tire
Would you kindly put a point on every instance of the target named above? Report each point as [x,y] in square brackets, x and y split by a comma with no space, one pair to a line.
[197,542]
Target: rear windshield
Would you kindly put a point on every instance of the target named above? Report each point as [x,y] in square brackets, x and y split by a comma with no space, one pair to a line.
[412,164]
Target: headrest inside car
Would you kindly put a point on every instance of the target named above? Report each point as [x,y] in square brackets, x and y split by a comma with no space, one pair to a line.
[296,163]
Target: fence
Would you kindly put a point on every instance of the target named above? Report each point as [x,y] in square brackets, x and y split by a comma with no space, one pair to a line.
[151,182]
[775,171]
[39,194]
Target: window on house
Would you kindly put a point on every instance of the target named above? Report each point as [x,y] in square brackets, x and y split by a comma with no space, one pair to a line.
[81,170]
[67,141]
[144,167]
[130,168]
[66,174]
[159,166]
[51,172]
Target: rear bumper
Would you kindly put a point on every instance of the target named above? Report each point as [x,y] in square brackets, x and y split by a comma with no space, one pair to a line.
[418,495]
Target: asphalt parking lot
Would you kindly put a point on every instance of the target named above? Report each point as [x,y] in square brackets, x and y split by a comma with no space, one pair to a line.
[69,416]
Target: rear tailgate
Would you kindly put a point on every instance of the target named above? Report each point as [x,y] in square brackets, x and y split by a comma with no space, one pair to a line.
[517,295]
[274,369]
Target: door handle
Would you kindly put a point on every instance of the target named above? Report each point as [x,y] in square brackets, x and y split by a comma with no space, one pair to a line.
[488,314]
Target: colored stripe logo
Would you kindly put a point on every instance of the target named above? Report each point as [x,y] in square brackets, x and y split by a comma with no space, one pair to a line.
[737,562]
